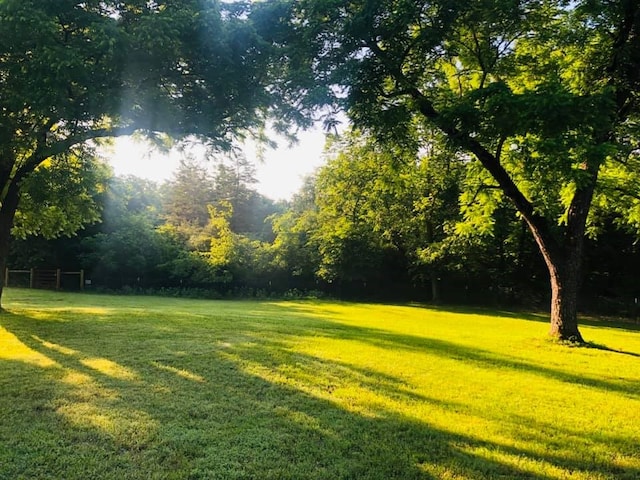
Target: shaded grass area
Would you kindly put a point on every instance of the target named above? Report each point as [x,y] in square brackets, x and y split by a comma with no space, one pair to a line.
[150,388]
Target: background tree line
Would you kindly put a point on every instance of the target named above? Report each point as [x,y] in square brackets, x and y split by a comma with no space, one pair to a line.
[378,221]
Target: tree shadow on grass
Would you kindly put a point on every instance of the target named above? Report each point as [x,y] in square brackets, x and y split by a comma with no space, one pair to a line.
[597,346]
[228,410]
[534,434]
[618,324]
[248,428]
[38,441]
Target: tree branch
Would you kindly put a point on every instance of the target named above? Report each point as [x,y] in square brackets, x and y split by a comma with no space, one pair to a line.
[43,151]
[498,153]
[482,187]
[537,223]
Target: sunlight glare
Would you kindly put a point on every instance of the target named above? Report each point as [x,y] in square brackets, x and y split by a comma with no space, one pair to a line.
[280,172]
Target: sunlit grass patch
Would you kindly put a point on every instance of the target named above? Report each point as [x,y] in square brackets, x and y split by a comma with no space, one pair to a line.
[130,387]
[180,372]
[11,348]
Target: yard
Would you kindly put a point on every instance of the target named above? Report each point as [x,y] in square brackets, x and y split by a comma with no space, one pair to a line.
[111,387]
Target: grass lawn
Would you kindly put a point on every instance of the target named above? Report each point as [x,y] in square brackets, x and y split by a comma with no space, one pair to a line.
[105,387]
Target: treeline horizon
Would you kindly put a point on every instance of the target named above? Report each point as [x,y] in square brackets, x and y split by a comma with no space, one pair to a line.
[376,222]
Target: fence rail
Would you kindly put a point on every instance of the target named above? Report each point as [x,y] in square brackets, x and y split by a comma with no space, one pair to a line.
[41,278]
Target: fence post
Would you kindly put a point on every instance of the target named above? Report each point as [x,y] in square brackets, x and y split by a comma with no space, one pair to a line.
[81,280]
[58,276]
[31,279]
[6,276]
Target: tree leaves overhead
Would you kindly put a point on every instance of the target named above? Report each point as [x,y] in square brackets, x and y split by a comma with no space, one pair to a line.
[540,85]
[73,71]
[62,196]
[456,54]
[189,67]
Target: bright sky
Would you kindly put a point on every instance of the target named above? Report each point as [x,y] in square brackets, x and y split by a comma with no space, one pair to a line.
[280,175]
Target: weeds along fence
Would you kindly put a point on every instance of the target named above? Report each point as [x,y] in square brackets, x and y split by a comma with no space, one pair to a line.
[44,279]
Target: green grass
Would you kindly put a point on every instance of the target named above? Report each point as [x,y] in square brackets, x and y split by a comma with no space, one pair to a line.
[101,387]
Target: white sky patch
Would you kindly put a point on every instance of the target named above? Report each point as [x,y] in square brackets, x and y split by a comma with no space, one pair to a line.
[280,173]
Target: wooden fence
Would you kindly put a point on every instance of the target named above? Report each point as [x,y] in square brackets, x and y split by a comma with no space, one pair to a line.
[39,278]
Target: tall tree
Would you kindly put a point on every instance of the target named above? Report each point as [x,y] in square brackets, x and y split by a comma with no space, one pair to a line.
[188,194]
[351,252]
[295,253]
[397,204]
[542,94]
[235,177]
[75,71]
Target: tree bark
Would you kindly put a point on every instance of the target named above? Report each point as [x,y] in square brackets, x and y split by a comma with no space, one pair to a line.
[564,304]
[564,259]
[564,266]
[7,214]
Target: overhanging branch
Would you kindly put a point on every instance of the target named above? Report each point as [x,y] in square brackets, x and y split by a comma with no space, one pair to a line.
[44,151]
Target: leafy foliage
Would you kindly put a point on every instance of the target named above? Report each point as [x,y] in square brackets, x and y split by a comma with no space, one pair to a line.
[61,196]
[472,120]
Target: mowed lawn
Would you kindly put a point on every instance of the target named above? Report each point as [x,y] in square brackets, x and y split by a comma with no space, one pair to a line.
[106,387]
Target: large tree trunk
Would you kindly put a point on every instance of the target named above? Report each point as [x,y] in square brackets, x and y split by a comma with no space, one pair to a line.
[564,266]
[564,276]
[564,305]
[564,258]
[7,215]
